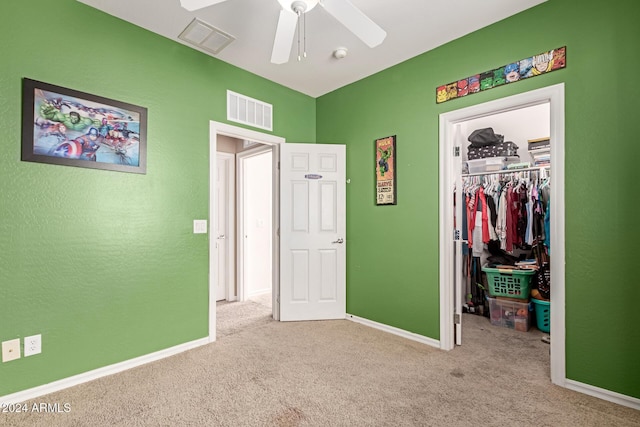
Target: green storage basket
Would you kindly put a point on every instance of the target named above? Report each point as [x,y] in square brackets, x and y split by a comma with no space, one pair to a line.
[543,314]
[512,283]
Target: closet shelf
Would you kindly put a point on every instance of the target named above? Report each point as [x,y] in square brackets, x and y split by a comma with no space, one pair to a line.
[507,171]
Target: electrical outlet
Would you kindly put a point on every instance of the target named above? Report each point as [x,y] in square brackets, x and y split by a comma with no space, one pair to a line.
[11,350]
[32,345]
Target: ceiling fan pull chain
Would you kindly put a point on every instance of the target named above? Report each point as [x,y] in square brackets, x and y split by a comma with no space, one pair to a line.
[304,34]
[299,22]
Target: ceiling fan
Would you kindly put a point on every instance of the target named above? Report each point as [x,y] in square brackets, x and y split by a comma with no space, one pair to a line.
[290,19]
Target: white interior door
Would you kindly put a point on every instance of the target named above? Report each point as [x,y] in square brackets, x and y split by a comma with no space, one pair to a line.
[458,292]
[256,215]
[225,165]
[312,232]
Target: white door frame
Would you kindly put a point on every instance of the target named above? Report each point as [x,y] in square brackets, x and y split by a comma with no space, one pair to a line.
[240,157]
[554,95]
[230,234]
[215,129]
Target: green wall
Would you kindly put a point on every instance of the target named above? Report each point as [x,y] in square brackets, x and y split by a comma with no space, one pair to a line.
[104,264]
[392,258]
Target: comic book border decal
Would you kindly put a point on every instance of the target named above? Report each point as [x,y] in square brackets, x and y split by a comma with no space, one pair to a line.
[543,63]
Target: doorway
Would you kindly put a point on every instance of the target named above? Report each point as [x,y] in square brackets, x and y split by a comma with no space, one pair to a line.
[451,143]
[217,130]
[319,279]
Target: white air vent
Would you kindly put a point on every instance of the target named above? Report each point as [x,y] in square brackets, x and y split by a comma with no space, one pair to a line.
[206,36]
[249,111]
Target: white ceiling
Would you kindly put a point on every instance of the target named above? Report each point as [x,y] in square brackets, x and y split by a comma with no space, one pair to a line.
[413,27]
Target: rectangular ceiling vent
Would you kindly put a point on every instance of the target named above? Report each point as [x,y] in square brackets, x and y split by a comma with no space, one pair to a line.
[205,36]
[249,111]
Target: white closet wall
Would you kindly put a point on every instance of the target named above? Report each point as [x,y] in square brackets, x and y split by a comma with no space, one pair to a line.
[518,126]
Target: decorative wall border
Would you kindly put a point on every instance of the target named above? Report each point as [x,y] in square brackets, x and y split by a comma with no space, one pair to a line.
[543,63]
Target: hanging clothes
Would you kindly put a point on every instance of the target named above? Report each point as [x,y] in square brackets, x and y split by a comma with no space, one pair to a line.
[471,217]
[501,222]
[518,218]
[493,217]
[529,206]
[485,215]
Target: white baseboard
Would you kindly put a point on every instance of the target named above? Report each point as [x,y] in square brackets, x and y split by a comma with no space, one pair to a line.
[604,394]
[259,292]
[396,331]
[35,392]
[32,393]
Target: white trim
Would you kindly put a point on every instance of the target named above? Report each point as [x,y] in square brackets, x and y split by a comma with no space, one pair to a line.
[557,259]
[75,380]
[275,294]
[445,201]
[215,129]
[604,394]
[554,95]
[395,331]
[231,230]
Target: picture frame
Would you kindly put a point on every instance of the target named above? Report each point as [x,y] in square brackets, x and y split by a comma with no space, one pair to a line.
[67,127]
[385,171]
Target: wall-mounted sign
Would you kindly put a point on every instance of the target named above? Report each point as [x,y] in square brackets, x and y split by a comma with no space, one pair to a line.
[533,66]
[386,171]
[67,127]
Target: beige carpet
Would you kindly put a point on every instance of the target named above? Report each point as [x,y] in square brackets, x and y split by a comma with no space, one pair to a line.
[334,373]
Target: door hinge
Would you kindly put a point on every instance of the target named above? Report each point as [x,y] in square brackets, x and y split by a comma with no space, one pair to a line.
[278,164]
[456,235]
[278,232]
[456,319]
[456,151]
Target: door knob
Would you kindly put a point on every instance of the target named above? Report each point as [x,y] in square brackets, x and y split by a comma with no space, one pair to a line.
[221,236]
[339,241]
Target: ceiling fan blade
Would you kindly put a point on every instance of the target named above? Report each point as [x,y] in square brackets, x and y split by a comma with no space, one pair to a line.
[192,5]
[356,21]
[284,37]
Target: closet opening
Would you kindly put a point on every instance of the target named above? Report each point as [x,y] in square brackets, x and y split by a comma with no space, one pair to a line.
[502,210]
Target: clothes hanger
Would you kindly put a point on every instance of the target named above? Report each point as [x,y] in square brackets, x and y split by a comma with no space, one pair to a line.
[545,183]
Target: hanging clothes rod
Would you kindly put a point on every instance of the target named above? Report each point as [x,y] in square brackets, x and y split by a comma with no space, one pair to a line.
[507,171]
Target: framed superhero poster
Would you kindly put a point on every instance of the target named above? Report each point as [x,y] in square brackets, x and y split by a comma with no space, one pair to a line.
[67,127]
[386,171]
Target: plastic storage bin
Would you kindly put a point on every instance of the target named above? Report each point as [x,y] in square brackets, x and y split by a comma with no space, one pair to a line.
[512,283]
[491,164]
[543,314]
[510,314]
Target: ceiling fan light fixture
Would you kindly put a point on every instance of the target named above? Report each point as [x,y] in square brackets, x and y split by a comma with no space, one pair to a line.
[300,8]
[293,16]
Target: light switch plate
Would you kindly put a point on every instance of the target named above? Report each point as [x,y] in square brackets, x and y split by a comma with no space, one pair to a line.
[199,226]
[11,350]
